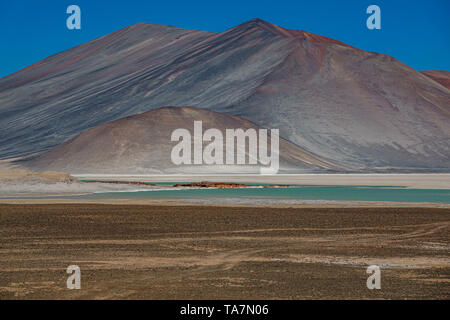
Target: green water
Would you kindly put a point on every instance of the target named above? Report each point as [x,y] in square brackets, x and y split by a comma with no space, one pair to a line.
[333,193]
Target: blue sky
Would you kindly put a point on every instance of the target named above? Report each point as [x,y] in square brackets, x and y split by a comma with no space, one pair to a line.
[417,32]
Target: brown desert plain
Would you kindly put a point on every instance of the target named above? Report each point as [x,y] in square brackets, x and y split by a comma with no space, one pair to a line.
[177,251]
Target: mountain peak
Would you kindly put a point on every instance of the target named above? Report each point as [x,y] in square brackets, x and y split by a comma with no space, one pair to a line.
[263,25]
[259,24]
[258,21]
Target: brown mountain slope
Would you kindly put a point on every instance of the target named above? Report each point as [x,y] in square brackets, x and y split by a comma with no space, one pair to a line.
[142,144]
[441,76]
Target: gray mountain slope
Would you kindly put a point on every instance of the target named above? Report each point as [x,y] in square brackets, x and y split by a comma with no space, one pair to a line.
[360,110]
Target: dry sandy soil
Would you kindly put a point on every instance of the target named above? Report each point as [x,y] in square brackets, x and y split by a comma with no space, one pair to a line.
[198,252]
[8,175]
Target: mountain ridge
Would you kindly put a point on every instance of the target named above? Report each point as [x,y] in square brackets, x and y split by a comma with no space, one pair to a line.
[440,76]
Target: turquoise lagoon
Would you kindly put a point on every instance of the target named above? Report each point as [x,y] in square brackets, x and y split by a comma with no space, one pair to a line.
[297,192]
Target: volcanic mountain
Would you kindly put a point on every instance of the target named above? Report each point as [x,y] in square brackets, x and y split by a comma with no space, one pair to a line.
[142,144]
[356,109]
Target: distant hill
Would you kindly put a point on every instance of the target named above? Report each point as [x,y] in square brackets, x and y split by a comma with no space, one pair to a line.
[142,144]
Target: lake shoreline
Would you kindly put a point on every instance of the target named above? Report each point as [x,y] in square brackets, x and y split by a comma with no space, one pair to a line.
[198,202]
[408,180]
